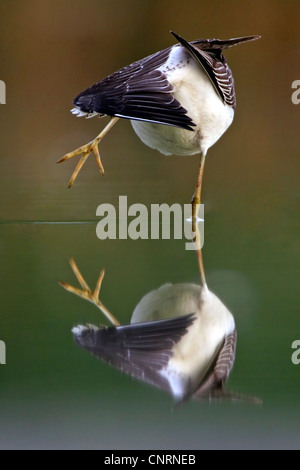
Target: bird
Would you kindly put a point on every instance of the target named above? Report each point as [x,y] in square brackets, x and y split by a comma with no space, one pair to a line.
[181,339]
[179,100]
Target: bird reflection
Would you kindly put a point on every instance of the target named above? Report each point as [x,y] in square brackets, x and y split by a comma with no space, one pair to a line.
[181,339]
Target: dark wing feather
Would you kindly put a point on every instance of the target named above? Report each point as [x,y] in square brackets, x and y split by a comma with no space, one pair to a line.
[214,64]
[139,92]
[208,52]
[140,349]
[220,370]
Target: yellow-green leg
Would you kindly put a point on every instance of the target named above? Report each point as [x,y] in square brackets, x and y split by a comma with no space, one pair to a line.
[196,201]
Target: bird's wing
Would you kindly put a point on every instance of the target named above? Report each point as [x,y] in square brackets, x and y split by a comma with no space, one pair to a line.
[140,92]
[220,370]
[214,64]
[141,350]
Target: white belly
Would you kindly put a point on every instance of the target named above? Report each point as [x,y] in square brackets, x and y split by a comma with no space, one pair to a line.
[194,91]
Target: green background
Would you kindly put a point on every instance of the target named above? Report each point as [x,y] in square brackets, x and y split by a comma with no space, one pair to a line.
[53,395]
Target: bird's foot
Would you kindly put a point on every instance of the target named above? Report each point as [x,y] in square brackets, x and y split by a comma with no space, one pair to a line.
[85,151]
[87,294]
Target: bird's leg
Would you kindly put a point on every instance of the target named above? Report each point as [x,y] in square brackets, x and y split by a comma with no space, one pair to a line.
[198,244]
[86,293]
[196,201]
[85,151]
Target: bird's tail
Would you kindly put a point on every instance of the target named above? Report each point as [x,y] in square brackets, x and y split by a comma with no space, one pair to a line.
[225,43]
[221,395]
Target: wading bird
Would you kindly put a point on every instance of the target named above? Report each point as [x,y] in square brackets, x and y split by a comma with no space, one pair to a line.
[179,100]
[182,339]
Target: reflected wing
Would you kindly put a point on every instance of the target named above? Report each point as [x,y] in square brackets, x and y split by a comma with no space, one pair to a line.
[139,92]
[219,372]
[141,350]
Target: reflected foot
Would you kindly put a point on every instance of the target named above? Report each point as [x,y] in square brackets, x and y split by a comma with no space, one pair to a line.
[87,294]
